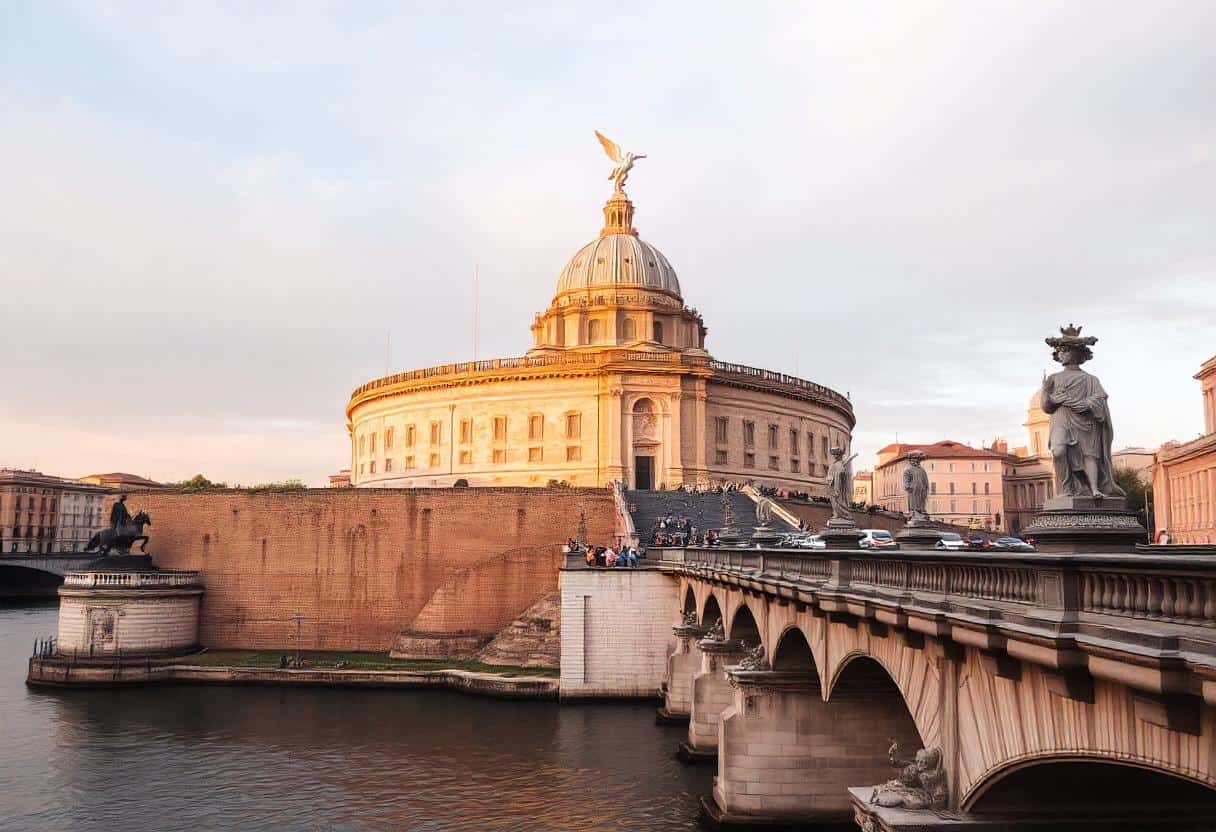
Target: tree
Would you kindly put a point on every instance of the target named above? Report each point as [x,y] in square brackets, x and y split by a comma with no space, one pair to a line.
[1139,491]
[198,483]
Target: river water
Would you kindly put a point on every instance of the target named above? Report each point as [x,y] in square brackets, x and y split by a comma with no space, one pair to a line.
[233,758]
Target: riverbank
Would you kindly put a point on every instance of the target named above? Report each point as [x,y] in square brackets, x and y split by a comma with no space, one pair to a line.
[234,667]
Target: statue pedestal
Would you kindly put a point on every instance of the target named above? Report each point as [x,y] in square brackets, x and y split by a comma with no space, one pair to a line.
[1086,524]
[841,534]
[765,536]
[125,611]
[917,537]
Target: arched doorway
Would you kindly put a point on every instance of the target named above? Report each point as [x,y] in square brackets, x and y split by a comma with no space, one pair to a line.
[645,444]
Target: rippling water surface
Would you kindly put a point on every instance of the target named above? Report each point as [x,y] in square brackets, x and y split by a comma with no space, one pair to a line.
[203,758]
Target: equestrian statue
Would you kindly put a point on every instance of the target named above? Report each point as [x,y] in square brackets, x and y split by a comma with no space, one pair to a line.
[124,531]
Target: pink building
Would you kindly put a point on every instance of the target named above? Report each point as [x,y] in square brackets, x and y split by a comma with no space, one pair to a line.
[964,482]
[1184,476]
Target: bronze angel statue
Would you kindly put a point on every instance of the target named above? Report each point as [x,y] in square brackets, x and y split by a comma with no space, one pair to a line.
[624,161]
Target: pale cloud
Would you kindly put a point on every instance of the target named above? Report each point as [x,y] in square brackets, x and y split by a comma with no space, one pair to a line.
[897,200]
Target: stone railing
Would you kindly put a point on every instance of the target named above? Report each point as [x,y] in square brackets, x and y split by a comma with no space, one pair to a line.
[131,580]
[1158,587]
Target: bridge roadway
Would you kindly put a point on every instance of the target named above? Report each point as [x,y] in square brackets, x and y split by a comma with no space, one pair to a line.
[1072,691]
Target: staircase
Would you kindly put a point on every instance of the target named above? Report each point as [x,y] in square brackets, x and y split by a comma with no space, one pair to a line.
[703,510]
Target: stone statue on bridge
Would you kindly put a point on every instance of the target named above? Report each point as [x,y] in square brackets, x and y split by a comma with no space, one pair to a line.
[916,486]
[920,785]
[1080,433]
[840,485]
[124,531]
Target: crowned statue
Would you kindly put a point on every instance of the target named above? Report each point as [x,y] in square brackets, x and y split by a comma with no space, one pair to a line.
[1080,432]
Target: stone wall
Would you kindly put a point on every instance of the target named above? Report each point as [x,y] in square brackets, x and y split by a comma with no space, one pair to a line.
[616,631]
[362,565]
[103,622]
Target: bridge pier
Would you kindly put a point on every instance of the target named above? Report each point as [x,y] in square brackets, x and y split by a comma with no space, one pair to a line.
[682,665]
[711,695]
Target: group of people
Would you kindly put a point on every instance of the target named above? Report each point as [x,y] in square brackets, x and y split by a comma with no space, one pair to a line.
[673,531]
[605,556]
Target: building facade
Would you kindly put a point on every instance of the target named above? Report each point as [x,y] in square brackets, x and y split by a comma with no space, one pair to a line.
[43,514]
[1029,473]
[1184,476]
[618,386]
[965,483]
[863,487]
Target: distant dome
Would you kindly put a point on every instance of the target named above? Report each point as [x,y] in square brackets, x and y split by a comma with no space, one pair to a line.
[616,260]
[1036,401]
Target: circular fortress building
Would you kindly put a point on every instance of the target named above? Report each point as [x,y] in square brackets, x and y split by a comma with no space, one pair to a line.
[617,386]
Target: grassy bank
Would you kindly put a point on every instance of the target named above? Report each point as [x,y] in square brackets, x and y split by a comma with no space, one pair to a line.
[351,660]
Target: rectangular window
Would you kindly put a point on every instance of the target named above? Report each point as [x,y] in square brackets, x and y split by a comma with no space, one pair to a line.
[810,444]
[373,445]
[749,433]
[987,488]
[574,453]
[793,441]
[434,461]
[536,428]
[795,465]
[749,460]
[466,431]
[372,468]
[409,462]
[719,457]
[773,433]
[410,435]
[953,507]
[823,440]
[720,430]
[499,456]
[388,466]
[950,467]
[974,506]
[436,432]
[574,425]
[932,488]
[774,463]
[951,488]
[466,457]
[388,439]
[536,454]
[500,428]
[974,486]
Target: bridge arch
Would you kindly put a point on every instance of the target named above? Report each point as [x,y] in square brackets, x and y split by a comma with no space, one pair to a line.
[743,625]
[711,611]
[793,652]
[29,580]
[690,600]
[1088,783]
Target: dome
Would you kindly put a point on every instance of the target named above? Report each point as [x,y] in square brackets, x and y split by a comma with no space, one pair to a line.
[1036,401]
[619,260]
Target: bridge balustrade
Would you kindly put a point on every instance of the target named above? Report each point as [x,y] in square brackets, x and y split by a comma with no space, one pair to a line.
[1170,588]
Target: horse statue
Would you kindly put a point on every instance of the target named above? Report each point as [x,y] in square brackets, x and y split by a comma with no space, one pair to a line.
[122,538]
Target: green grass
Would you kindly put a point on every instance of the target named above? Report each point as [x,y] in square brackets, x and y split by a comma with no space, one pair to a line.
[355,660]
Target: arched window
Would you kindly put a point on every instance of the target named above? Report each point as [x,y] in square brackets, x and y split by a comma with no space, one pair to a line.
[593,332]
[629,330]
[658,331]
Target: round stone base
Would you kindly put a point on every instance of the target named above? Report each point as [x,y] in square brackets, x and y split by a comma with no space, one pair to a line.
[136,614]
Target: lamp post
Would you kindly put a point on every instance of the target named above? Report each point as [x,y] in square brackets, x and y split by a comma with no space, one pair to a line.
[297,617]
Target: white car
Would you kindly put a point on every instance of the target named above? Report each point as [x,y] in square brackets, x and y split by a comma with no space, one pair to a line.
[876,539]
[951,541]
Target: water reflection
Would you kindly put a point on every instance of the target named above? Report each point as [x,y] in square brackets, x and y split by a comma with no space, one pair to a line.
[289,759]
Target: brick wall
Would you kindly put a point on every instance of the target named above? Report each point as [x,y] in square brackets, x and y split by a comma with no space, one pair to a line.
[363,564]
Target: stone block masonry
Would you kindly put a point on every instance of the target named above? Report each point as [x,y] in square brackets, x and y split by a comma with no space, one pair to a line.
[616,631]
[363,565]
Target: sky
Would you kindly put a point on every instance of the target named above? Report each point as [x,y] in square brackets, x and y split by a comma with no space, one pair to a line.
[216,217]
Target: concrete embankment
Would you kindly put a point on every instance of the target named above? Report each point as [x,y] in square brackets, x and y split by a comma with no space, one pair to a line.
[57,673]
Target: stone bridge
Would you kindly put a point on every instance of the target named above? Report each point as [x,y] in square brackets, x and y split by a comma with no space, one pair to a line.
[1062,691]
[57,563]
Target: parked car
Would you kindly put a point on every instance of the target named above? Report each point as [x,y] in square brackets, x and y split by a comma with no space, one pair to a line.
[877,539]
[975,541]
[1011,544]
[951,541]
[816,541]
[802,540]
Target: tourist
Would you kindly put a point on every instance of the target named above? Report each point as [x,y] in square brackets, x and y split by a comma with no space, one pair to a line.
[589,557]
[609,557]
[633,557]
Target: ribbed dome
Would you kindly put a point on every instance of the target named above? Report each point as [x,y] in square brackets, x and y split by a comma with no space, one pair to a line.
[617,260]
